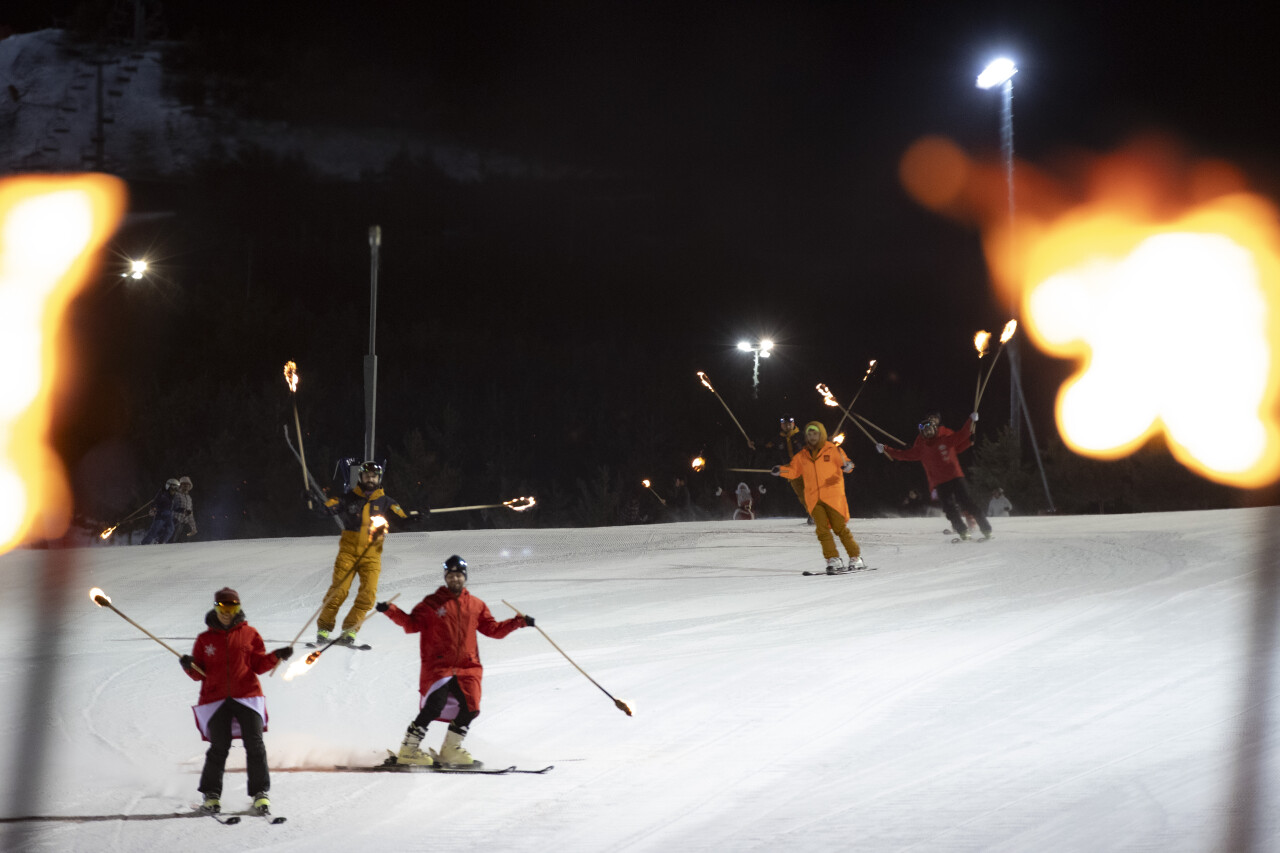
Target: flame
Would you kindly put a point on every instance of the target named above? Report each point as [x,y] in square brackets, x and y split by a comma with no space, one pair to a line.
[520,504]
[50,230]
[698,463]
[1129,274]
[1009,328]
[646,484]
[298,667]
[706,380]
[95,594]
[106,534]
[871,368]
[291,375]
[838,440]
[827,396]
[377,527]
[980,342]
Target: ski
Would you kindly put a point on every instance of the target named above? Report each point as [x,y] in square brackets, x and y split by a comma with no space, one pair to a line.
[224,819]
[438,768]
[841,572]
[268,816]
[317,492]
[361,648]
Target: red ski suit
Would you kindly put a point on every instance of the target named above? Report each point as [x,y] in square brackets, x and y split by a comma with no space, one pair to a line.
[938,455]
[447,626]
[232,658]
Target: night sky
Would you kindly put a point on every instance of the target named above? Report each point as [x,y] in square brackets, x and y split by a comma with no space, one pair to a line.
[705,172]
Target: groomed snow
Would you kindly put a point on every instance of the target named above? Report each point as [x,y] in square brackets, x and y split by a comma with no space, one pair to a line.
[1077,684]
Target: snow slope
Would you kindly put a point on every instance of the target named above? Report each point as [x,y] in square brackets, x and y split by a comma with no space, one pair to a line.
[1077,684]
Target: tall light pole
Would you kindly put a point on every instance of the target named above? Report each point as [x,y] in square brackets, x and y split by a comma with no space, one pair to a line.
[759,351]
[1000,73]
[371,360]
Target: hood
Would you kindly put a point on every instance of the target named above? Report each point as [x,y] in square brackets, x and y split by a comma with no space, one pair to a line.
[822,432]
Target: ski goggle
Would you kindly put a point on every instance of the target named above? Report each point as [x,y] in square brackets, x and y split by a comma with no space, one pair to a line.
[231,607]
[924,425]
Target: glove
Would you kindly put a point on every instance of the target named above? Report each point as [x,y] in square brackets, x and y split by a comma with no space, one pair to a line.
[763,490]
[528,621]
[283,653]
[847,467]
[382,606]
[974,417]
[186,661]
[719,491]
[879,447]
[776,470]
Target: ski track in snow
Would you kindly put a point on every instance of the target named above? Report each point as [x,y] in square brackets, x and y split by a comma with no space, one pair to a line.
[1075,684]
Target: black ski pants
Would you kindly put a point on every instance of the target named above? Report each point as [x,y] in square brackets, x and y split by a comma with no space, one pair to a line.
[435,704]
[954,495]
[215,760]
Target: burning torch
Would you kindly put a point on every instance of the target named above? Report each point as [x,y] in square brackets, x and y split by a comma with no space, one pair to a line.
[101,599]
[291,377]
[515,505]
[1009,328]
[646,484]
[106,534]
[707,382]
[622,706]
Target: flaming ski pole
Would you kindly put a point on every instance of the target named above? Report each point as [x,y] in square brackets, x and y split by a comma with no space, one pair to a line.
[101,599]
[706,380]
[622,706]
[291,377]
[314,656]
[106,534]
[1009,328]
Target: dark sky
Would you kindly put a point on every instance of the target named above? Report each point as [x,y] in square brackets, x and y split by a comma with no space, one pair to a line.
[740,159]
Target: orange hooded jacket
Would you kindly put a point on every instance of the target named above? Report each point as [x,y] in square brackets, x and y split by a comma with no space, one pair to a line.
[822,471]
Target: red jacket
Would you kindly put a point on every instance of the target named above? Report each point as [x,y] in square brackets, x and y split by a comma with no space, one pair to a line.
[939,454]
[232,658]
[447,625]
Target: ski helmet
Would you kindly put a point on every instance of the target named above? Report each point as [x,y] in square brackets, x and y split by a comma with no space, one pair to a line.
[371,469]
[184,481]
[455,564]
[171,483]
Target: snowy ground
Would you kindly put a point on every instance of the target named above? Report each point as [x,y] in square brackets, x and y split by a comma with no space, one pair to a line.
[1078,684]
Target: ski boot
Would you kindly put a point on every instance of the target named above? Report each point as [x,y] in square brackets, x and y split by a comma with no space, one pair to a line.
[212,804]
[855,564]
[348,638]
[963,535]
[410,749]
[261,803]
[834,566]
[322,637]
[453,755]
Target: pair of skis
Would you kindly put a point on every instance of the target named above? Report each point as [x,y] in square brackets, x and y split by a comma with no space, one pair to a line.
[825,573]
[233,819]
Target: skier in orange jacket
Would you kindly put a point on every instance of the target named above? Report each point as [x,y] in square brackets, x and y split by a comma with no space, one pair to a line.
[823,465]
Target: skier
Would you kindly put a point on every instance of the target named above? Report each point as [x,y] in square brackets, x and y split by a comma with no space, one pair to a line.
[161,529]
[999,506]
[937,449]
[183,517]
[231,704]
[449,681]
[822,465]
[358,553]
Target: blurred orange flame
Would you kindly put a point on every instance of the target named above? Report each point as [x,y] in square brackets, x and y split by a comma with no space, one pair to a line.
[299,667]
[699,463]
[980,342]
[645,483]
[291,375]
[706,380]
[95,594]
[519,504]
[1009,328]
[838,440]
[50,230]
[1129,270]
[827,396]
[106,534]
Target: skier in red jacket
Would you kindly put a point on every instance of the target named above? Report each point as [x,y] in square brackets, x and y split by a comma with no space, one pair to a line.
[449,682]
[231,655]
[937,449]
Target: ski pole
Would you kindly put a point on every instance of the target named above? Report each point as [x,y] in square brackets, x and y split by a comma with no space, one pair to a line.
[291,377]
[106,534]
[752,470]
[622,706]
[314,656]
[100,598]
[377,533]
[880,429]
[515,504]
[706,380]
